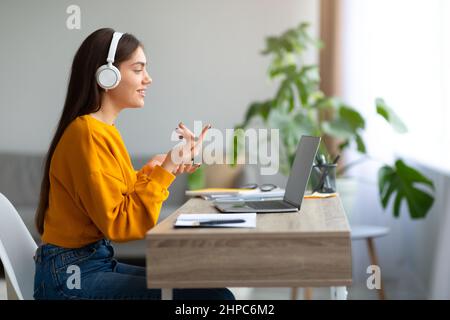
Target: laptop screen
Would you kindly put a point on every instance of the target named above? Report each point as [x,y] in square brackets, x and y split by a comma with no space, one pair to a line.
[301,169]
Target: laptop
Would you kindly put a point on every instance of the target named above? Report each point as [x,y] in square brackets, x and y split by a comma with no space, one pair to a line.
[295,188]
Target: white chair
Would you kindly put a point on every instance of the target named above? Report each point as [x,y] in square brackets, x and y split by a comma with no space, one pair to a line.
[17,249]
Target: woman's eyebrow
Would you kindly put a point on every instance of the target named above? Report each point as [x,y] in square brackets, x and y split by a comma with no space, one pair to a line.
[140,62]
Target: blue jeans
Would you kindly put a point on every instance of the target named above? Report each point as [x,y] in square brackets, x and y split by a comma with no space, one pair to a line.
[91,272]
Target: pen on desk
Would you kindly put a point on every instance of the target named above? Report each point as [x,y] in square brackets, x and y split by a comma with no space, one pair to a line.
[213,222]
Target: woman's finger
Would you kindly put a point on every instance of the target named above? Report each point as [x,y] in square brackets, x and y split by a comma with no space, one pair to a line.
[183,134]
[191,134]
[185,131]
[182,126]
[198,144]
[193,144]
[195,152]
[179,169]
[186,168]
[194,168]
[159,158]
[186,134]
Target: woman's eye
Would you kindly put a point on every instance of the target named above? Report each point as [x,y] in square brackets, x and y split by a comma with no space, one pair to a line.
[137,71]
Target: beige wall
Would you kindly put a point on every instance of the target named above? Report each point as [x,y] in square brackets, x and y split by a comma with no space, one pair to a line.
[204,60]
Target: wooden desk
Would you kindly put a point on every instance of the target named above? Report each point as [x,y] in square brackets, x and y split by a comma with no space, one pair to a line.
[310,248]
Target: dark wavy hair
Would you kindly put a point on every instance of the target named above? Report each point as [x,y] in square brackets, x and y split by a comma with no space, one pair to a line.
[83,95]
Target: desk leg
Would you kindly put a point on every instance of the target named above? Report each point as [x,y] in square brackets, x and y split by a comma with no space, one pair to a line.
[166,294]
[338,293]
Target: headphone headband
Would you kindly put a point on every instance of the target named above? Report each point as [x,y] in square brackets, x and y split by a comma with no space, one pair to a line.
[113,47]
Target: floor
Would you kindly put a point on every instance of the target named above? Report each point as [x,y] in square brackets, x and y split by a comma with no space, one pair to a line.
[405,287]
[393,289]
[2,289]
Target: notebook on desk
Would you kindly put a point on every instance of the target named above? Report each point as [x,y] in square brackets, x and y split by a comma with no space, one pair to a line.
[295,188]
[214,220]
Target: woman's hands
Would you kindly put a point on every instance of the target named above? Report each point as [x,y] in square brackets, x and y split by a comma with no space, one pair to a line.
[180,159]
[158,161]
[153,162]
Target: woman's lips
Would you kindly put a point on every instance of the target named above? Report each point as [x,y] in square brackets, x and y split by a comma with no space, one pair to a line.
[141,92]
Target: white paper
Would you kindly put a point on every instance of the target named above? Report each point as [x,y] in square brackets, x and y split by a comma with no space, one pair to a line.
[190,220]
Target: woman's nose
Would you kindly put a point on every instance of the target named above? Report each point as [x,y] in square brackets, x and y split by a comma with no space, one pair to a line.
[147,79]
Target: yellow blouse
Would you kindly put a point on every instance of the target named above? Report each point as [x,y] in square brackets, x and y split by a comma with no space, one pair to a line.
[95,191]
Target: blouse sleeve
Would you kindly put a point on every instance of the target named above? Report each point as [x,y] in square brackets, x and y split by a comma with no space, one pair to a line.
[119,215]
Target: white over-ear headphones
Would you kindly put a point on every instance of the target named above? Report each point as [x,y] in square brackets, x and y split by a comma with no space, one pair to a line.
[108,76]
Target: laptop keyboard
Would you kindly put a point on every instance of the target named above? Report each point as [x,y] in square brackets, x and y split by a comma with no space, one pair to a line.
[268,205]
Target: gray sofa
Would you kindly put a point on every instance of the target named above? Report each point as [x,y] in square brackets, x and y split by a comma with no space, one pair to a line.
[20,179]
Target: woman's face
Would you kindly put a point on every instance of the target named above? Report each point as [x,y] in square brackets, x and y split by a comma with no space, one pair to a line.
[131,90]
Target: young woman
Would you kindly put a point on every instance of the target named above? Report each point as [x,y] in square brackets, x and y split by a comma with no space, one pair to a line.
[90,193]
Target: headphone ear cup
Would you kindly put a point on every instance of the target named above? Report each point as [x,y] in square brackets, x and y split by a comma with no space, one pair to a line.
[108,76]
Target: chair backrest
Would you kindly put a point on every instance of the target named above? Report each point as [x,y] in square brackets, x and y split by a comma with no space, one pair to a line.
[17,248]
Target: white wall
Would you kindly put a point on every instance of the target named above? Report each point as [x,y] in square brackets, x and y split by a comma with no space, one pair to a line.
[204,61]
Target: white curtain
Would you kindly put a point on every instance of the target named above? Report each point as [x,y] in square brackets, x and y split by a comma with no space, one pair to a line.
[400,50]
[440,280]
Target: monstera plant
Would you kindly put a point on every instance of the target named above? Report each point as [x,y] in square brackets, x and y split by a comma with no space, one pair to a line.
[300,107]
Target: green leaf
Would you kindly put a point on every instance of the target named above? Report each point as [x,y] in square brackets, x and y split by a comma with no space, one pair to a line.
[302,92]
[386,174]
[346,125]
[291,99]
[285,94]
[403,181]
[292,126]
[288,47]
[258,109]
[287,71]
[412,174]
[397,205]
[272,45]
[327,103]
[338,128]
[361,146]
[391,117]
[344,145]
[352,117]
[309,74]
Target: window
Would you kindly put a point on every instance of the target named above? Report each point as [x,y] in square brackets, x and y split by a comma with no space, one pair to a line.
[400,51]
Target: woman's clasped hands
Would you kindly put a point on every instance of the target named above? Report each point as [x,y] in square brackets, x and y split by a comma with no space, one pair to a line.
[180,159]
